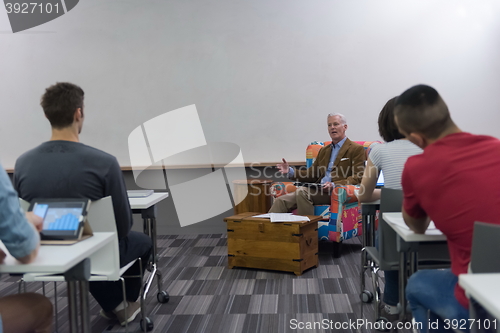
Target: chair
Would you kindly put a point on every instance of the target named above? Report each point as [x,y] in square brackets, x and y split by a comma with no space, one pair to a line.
[101,218]
[25,205]
[341,219]
[484,259]
[485,248]
[385,257]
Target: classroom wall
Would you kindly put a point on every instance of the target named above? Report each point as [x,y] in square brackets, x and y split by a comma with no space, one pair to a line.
[263,74]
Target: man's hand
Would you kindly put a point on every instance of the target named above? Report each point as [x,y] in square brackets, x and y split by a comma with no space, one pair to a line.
[36,220]
[283,167]
[328,187]
[417,225]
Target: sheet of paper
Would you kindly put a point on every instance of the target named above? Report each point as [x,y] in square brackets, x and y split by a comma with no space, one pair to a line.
[285,217]
[264,216]
[267,216]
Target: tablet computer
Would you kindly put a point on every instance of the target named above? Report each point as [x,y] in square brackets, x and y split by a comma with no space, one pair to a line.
[63,219]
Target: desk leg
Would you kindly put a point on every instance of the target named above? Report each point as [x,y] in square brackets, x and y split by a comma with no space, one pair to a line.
[79,273]
[149,218]
[371,225]
[72,306]
[84,306]
[403,276]
[413,262]
[366,238]
[472,315]
[368,213]
[364,264]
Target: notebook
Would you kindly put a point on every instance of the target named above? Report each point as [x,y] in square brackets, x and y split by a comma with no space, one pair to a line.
[139,193]
[64,220]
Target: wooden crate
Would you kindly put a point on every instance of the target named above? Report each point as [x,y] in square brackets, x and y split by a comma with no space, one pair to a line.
[283,246]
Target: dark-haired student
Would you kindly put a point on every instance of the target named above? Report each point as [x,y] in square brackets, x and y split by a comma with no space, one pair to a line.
[28,312]
[65,168]
[389,158]
[454,183]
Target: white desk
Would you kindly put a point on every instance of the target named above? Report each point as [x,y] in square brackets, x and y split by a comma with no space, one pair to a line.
[396,221]
[147,202]
[57,259]
[146,206]
[484,288]
[60,259]
[405,235]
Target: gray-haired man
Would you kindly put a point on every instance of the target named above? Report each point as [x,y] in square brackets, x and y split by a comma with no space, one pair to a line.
[341,162]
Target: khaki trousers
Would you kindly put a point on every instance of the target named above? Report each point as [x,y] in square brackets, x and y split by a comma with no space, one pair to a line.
[303,199]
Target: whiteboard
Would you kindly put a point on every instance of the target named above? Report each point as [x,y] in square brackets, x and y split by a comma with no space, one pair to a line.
[263,74]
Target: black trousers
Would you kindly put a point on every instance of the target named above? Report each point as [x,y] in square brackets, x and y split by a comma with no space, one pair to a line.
[109,294]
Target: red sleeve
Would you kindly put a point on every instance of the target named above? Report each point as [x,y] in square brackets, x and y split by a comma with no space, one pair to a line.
[411,202]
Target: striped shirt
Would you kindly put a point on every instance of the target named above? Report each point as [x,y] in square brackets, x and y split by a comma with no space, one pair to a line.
[390,158]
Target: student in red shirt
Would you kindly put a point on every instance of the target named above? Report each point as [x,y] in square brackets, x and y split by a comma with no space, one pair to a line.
[454,183]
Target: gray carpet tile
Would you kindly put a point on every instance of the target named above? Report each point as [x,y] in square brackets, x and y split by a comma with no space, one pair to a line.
[207,242]
[206,296]
[195,305]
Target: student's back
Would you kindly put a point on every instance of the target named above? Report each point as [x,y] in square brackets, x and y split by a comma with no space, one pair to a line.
[453,183]
[390,158]
[458,183]
[65,169]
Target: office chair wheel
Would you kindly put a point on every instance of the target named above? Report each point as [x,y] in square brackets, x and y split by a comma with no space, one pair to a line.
[149,266]
[162,297]
[146,324]
[383,325]
[366,296]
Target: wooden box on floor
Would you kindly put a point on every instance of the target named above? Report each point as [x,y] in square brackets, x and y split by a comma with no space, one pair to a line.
[284,246]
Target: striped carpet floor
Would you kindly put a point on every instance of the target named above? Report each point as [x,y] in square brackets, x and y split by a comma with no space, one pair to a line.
[206,297]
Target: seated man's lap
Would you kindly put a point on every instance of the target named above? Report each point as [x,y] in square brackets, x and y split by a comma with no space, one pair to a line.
[135,245]
[433,289]
[313,195]
[317,196]
[302,198]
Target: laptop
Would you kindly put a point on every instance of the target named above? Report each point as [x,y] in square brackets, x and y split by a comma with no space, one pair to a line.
[139,193]
[380,180]
[63,219]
